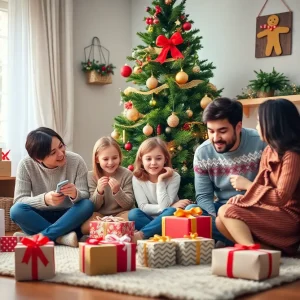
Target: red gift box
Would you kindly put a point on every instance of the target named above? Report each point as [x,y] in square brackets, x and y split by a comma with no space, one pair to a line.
[111,225]
[8,243]
[185,222]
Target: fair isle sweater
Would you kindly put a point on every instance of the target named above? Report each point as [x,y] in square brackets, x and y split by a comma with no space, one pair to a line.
[212,169]
[33,181]
[109,203]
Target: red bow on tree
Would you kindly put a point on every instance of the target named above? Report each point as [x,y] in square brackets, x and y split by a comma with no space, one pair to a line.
[169,44]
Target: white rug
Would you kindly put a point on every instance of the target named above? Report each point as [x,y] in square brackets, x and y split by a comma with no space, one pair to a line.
[177,282]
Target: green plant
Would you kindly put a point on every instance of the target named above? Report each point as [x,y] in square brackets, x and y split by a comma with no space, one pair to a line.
[289,89]
[266,82]
[101,68]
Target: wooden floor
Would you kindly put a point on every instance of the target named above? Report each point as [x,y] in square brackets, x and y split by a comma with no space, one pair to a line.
[12,290]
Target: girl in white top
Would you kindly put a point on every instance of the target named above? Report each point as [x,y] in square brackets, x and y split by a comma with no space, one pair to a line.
[155,186]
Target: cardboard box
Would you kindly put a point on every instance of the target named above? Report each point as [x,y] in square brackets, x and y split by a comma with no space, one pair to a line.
[27,268]
[245,264]
[5,168]
[0,154]
[178,227]
[194,251]
[156,254]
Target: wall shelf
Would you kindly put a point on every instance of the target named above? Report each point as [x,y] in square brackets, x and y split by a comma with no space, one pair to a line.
[249,103]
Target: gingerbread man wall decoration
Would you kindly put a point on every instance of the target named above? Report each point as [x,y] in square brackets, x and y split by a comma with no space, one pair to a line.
[272,32]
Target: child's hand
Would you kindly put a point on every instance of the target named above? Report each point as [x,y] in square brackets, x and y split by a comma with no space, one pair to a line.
[168,173]
[102,183]
[182,203]
[53,199]
[239,182]
[235,199]
[114,185]
[69,190]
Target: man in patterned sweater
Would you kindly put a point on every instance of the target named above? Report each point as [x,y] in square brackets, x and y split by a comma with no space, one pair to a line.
[230,156]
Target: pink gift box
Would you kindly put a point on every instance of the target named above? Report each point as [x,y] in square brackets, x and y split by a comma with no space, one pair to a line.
[8,243]
[104,226]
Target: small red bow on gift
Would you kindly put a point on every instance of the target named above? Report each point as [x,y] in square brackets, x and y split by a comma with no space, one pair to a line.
[266,26]
[244,247]
[5,155]
[169,44]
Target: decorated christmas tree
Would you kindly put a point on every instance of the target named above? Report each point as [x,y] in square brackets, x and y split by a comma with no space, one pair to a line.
[171,90]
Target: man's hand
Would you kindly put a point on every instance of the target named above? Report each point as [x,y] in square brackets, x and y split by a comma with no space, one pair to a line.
[239,182]
[102,183]
[69,190]
[168,173]
[182,203]
[114,185]
[53,199]
[235,199]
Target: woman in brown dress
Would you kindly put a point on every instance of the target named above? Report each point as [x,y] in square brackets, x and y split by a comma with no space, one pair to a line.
[269,212]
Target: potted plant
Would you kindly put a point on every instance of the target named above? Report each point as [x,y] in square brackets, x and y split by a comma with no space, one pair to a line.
[266,84]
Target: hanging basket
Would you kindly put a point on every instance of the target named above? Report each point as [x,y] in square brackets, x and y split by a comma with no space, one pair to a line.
[96,65]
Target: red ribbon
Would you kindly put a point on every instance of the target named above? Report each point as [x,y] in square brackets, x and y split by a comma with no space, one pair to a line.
[5,155]
[239,247]
[34,252]
[169,44]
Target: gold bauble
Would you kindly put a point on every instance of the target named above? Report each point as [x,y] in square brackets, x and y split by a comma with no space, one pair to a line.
[137,70]
[115,134]
[205,101]
[128,90]
[181,77]
[189,113]
[132,114]
[151,83]
[173,120]
[150,28]
[168,130]
[168,2]
[196,69]
[152,102]
[147,130]
[179,148]
[184,169]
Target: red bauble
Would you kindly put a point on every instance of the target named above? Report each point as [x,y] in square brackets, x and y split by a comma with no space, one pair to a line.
[158,129]
[130,168]
[187,26]
[126,71]
[149,21]
[186,127]
[128,146]
[155,21]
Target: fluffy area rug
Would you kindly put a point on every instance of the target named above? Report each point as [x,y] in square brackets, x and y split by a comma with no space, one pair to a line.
[177,282]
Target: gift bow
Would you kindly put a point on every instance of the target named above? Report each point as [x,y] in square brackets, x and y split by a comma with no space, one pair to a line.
[34,252]
[266,26]
[109,239]
[191,236]
[110,219]
[169,44]
[244,247]
[195,211]
[159,238]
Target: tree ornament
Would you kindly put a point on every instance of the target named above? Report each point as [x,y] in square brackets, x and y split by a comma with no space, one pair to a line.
[186,127]
[168,2]
[187,26]
[147,130]
[147,8]
[179,148]
[181,77]
[126,71]
[156,21]
[151,83]
[173,120]
[150,29]
[158,129]
[152,102]
[128,146]
[132,114]
[130,168]
[196,69]
[168,129]
[184,169]
[115,135]
[149,21]
[157,9]
[205,101]
[137,70]
[189,113]
[177,22]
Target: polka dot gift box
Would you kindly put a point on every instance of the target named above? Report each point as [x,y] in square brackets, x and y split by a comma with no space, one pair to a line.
[8,243]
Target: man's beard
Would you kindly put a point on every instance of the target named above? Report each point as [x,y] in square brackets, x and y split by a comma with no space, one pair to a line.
[228,145]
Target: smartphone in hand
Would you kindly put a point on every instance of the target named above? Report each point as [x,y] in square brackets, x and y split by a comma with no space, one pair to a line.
[60,185]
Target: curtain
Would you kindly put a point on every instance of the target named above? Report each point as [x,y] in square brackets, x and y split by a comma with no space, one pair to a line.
[40,71]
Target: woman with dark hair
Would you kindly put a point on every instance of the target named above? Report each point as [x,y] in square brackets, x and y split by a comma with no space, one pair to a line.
[269,212]
[38,208]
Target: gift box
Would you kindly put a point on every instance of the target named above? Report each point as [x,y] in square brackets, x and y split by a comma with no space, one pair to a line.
[158,252]
[34,259]
[185,222]
[193,250]
[8,243]
[2,222]
[5,168]
[107,256]
[246,262]
[111,225]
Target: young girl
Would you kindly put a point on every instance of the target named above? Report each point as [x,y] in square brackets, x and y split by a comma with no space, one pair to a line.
[110,185]
[269,212]
[155,186]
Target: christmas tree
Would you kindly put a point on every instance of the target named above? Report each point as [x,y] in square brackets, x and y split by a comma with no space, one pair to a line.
[171,89]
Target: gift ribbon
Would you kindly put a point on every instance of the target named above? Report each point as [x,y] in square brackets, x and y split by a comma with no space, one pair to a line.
[239,247]
[189,213]
[194,236]
[34,252]
[169,45]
